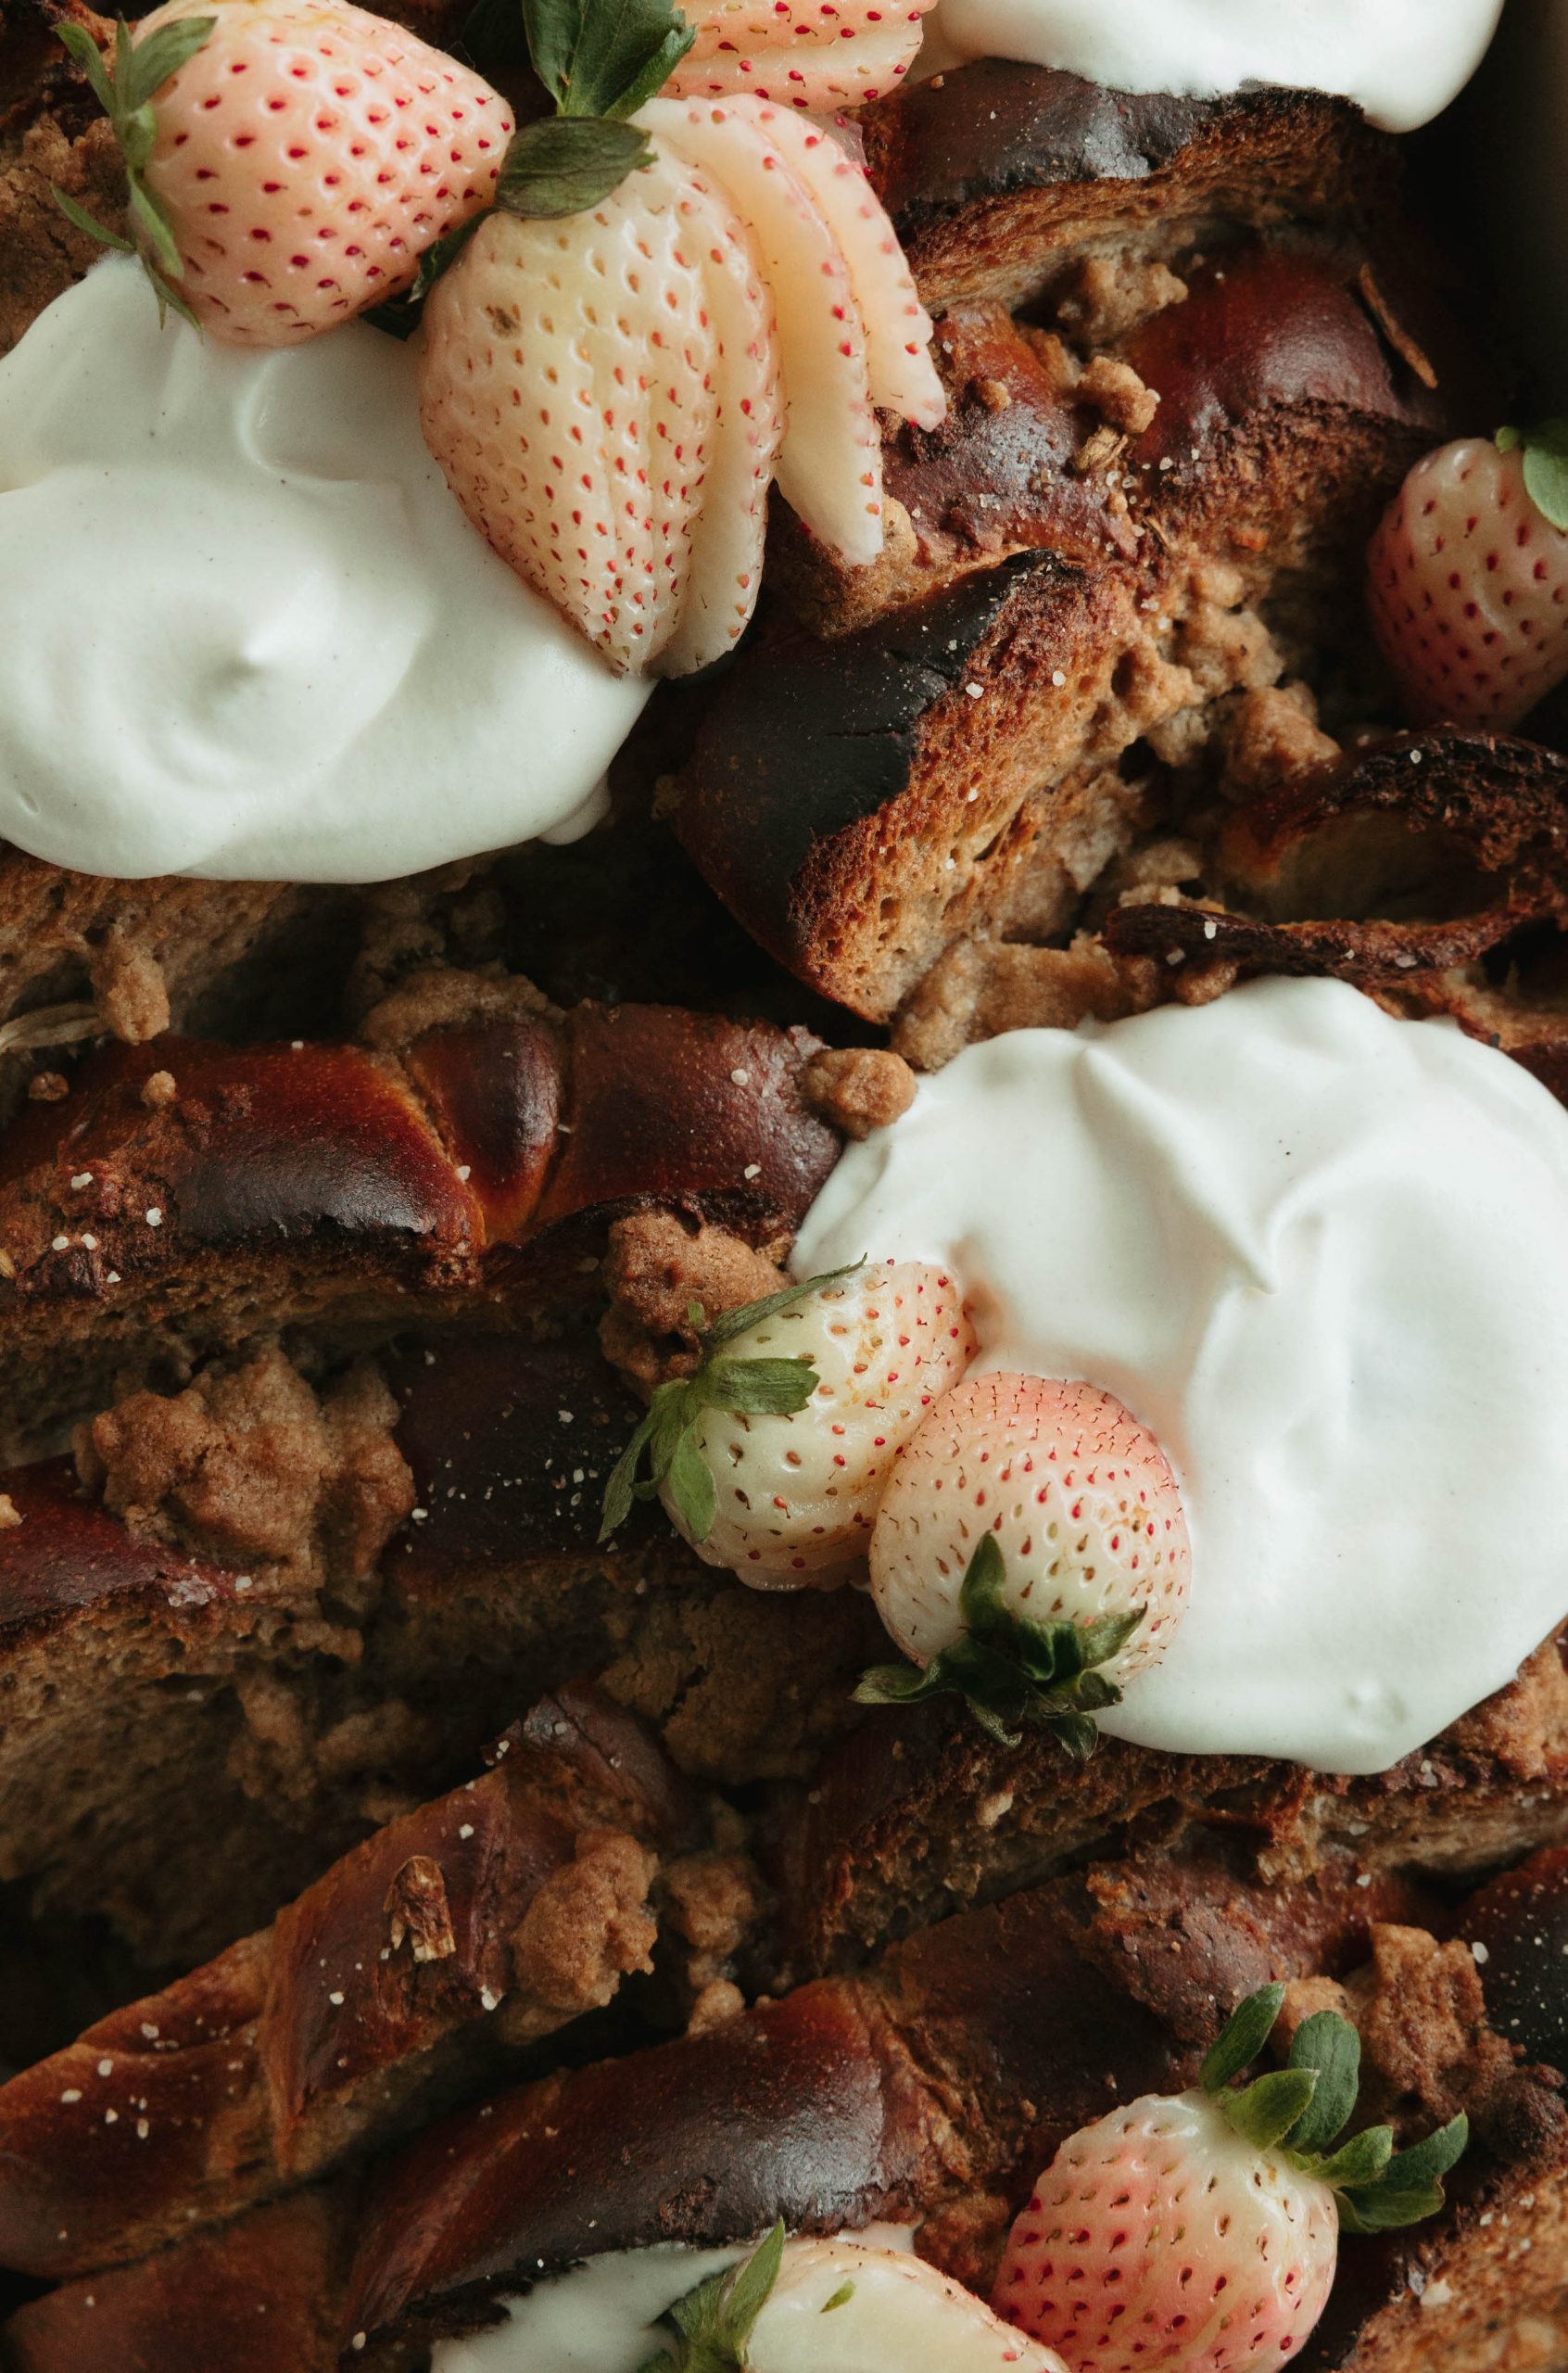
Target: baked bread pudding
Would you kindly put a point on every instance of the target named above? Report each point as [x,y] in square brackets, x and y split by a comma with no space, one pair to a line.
[783,1188]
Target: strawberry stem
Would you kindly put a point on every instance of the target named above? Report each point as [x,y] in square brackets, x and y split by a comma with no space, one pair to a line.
[125,87]
[713,2324]
[1010,1670]
[766,1388]
[1301,2110]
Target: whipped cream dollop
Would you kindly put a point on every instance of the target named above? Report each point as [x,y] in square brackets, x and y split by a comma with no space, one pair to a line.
[1402,61]
[245,628]
[1323,1254]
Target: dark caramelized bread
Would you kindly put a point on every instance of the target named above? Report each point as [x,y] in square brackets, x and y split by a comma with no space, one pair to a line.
[185,1198]
[930,2090]
[1003,180]
[959,766]
[424,1961]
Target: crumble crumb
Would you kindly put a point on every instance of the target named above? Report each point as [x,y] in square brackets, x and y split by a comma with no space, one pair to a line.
[859,1089]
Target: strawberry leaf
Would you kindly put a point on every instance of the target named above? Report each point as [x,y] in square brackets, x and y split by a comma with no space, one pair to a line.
[88,55]
[1359,2161]
[1430,2161]
[157,58]
[564,164]
[85,221]
[1546,467]
[1381,2212]
[1242,2037]
[125,87]
[149,220]
[840,2298]
[758,1387]
[1012,1672]
[621,1488]
[494,38]
[604,57]
[1271,2105]
[692,1487]
[1329,2046]
[714,2323]
[733,1323]
[745,1388]
[399,316]
[1410,2185]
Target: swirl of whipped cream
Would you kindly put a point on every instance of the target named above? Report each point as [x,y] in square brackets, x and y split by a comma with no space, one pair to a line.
[1323,1254]
[245,629]
[1402,61]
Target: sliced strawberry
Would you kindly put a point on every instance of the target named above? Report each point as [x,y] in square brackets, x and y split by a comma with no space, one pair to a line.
[898,328]
[830,463]
[807,54]
[726,536]
[559,358]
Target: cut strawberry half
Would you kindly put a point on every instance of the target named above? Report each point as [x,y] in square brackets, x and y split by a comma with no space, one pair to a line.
[830,462]
[727,533]
[897,327]
[817,56]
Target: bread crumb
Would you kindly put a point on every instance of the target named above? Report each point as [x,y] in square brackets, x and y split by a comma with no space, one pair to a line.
[49,1087]
[715,2004]
[859,1089]
[10,1515]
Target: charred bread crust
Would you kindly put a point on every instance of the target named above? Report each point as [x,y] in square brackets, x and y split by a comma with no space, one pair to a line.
[820,766]
[997,175]
[261,2296]
[995,477]
[67,1556]
[1469,830]
[941,2080]
[1031,457]
[356,2011]
[860,809]
[277,1181]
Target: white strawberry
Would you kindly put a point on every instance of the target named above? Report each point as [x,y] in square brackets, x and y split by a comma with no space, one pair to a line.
[841,2307]
[816,54]
[773,1457]
[1031,1553]
[587,383]
[730,526]
[290,161]
[1199,2232]
[830,463]
[902,378]
[1468,579]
